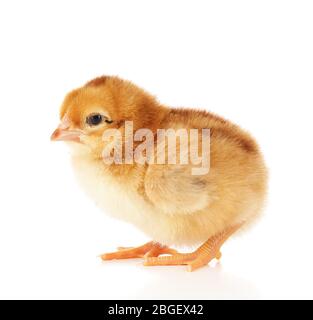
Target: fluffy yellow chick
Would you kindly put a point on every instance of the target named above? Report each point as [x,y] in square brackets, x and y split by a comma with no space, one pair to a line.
[168,201]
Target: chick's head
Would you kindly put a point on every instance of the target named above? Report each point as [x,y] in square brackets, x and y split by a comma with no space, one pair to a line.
[104,103]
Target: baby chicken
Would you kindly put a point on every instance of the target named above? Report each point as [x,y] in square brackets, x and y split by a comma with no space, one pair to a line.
[166,200]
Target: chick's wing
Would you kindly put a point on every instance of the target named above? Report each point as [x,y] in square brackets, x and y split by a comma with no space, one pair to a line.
[175,190]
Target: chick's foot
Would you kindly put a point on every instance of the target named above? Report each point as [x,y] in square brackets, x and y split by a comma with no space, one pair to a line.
[199,258]
[150,249]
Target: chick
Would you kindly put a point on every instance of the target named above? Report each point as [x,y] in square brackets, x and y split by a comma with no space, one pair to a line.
[166,200]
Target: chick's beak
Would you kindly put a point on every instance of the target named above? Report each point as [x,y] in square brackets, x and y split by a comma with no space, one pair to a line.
[64,133]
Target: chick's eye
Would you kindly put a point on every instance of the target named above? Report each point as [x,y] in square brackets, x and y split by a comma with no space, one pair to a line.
[94,119]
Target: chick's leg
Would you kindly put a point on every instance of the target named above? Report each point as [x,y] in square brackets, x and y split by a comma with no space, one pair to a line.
[210,249]
[202,256]
[150,249]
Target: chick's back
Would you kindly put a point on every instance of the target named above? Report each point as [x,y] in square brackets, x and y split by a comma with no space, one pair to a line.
[233,192]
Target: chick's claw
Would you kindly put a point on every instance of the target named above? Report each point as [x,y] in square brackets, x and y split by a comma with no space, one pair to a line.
[150,249]
[159,250]
[175,259]
[124,248]
[128,252]
[192,260]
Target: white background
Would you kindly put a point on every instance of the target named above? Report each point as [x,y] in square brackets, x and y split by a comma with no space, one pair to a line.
[250,61]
